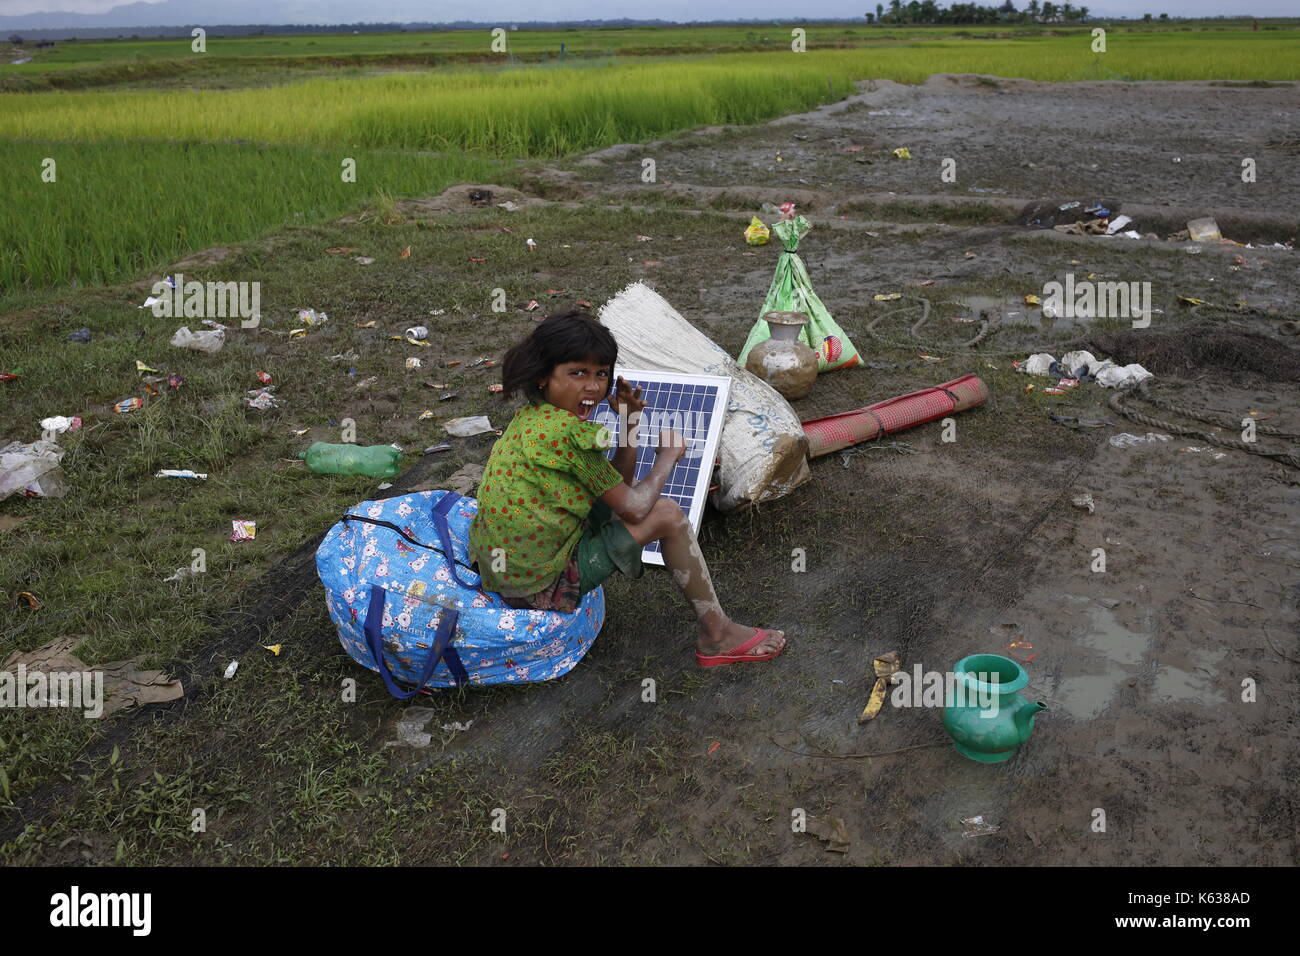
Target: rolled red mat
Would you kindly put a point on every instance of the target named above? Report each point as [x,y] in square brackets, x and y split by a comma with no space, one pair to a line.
[833,432]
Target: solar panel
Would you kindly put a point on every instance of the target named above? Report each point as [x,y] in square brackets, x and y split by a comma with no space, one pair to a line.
[694,407]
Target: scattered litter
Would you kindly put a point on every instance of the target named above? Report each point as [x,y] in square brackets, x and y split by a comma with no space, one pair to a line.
[203,341]
[756,233]
[831,831]
[1085,367]
[178,473]
[975,826]
[33,602]
[478,259]
[351,356]
[1203,230]
[448,396]
[509,205]
[456,726]
[364,260]
[903,152]
[125,684]
[713,748]
[262,399]
[418,332]
[365,383]
[81,335]
[241,530]
[181,574]
[1114,376]
[887,296]
[60,424]
[465,427]
[405,253]
[230,669]
[1127,440]
[11,376]
[341,250]
[1118,223]
[413,363]
[885,667]
[1032,300]
[498,387]
[434,449]
[531,244]
[1017,650]
[645,238]
[532,305]
[1216,455]
[1084,501]
[32,469]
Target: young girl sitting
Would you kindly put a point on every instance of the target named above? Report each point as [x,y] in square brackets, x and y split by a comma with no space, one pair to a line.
[556,517]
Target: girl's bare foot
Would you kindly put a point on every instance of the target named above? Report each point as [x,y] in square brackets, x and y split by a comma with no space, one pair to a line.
[731,635]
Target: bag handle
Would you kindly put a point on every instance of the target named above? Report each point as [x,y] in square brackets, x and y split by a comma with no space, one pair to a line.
[440,510]
[441,649]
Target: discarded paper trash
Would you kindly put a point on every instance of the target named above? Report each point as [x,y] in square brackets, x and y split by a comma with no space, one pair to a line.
[209,341]
[178,473]
[975,826]
[124,683]
[31,468]
[465,427]
[241,530]
[831,831]
[885,666]
[1203,230]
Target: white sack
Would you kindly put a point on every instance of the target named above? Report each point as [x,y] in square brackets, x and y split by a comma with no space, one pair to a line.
[763,449]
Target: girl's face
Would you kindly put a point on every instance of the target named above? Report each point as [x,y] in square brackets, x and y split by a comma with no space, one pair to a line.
[577,387]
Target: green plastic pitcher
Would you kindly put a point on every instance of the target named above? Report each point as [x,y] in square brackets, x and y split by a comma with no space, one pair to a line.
[988,719]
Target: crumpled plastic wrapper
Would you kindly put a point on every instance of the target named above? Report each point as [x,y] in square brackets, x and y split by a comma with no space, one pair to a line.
[33,469]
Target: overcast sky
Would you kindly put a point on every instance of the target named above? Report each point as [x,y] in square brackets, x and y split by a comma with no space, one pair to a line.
[683,10]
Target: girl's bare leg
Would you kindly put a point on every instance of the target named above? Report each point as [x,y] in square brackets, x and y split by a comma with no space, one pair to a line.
[668,524]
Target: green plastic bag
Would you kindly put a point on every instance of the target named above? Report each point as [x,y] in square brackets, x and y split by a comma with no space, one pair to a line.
[792,291]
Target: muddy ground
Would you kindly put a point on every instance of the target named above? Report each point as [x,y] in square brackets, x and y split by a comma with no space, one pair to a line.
[935,550]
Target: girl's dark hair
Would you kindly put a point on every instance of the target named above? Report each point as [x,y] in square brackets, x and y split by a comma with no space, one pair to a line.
[572,336]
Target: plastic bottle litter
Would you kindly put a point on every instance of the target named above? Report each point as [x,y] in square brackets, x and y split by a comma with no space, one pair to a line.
[377,461]
[312,317]
[230,669]
[209,341]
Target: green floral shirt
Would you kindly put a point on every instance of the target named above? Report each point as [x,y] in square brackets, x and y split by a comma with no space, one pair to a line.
[540,482]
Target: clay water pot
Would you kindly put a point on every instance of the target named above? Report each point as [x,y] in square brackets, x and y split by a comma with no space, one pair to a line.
[783,361]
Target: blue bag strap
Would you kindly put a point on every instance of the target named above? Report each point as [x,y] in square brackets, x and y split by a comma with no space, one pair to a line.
[442,649]
[444,505]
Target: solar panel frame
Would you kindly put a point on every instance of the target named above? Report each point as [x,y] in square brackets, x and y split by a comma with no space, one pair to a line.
[665,393]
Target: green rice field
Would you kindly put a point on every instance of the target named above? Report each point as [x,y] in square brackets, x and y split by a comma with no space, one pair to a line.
[148,174]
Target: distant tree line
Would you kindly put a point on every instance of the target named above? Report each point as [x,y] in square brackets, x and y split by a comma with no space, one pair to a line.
[928,11]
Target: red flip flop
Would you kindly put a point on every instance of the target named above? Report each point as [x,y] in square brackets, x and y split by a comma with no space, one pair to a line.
[740,654]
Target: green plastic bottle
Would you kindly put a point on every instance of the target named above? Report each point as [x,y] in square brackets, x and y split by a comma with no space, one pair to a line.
[377,461]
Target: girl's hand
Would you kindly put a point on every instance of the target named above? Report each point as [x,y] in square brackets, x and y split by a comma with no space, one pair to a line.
[627,399]
[672,446]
